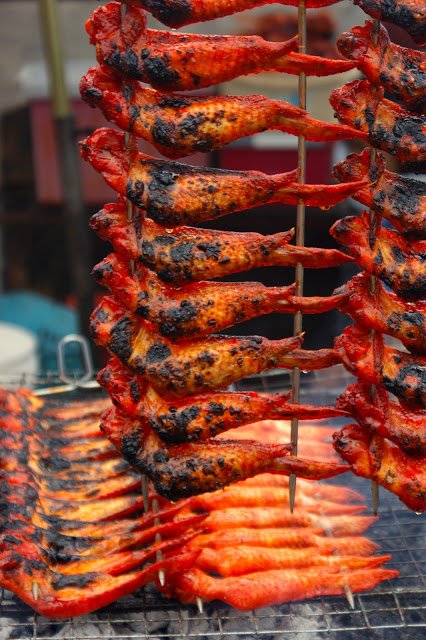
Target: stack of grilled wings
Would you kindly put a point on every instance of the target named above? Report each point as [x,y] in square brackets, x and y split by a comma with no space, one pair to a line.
[388,443]
[72,538]
[163,319]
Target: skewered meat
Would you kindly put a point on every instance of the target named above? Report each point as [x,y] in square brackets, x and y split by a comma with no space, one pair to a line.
[374,457]
[405,428]
[408,14]
[186,469]
[174,193]
[179,125]
[272,587]
[202,365]
[180,61]
[238,561]
[399,199]
[401,373]
[385,312]
[175,13]
[200,416]
[200,309]
[401,71]
[188,254]
[401,265]
[389,126]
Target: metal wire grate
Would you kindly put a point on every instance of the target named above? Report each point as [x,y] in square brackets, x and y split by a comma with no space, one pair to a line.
[393,611]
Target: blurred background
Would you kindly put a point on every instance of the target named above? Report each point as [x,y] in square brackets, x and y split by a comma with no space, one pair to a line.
[46,248]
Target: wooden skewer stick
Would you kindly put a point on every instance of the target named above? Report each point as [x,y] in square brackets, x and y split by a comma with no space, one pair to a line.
[300,241]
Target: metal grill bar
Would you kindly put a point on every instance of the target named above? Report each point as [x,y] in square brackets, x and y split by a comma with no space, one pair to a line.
[300,241]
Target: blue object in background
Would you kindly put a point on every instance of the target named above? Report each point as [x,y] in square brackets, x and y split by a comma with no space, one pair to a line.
[48,320]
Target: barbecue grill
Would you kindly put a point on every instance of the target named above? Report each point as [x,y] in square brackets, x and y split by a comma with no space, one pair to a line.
[395,610]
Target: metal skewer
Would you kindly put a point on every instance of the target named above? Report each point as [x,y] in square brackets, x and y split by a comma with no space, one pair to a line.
[300,241]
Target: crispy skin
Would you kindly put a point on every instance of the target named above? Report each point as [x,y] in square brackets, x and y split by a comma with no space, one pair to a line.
[401,265]
[389,126]
[187,469]
[200,416]
[400,200]
[178,13]
[401,373]
[179,125]
[401,71]
[188,254]
[384,311]
[408,14]
[199,365]
[265,588]
[405,428]
[171,61]
[200,309]
[374,457]
[173,193]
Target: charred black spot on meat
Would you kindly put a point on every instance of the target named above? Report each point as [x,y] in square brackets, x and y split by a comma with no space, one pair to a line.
[131,444]
[79,581]
[173,319]
[135,191]
[120,342]
[163,132]
[159,72]
[157,353]
[173,13]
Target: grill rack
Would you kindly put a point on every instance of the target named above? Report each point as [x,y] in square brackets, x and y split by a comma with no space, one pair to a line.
[395,610]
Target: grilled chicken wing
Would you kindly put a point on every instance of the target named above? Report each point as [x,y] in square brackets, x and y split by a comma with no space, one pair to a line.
[203,415]
[178,13]
[173,193]
[200,309]
[401,373]
[179,125]
[389,126]
[172,61]
[401,71]
[202,365]
[408,14]
[188,469]
[400,264]
[265,588]
[399,199]
[384,311]
[188,254]
[405,428]
[372,456]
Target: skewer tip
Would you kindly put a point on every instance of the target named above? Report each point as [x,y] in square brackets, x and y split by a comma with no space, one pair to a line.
[349,596]
[162,577]
[35,590]
[200,604]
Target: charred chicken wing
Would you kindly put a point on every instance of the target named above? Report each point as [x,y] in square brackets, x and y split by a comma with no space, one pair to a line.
[399,199]
[408,14]
[389,126]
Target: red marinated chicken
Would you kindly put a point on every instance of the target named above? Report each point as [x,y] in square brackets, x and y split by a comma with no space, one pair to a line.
[408,14]
[190,468]
[400,264]
[199,416]
[172,61]
[401,373]
[399,199]
[371,456]
[405,428]
[174,193]
[188,254]
[178,13]
[200,365]
[384,311]
[203,308]
[401,71]
[389,126]
[179,125]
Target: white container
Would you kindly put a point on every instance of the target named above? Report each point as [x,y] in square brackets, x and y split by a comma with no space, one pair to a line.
[19,361]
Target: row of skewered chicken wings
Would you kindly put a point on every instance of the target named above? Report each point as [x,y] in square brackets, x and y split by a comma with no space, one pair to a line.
[162,319]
